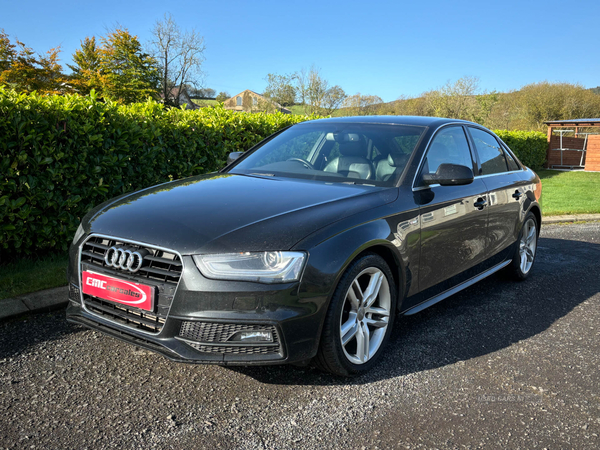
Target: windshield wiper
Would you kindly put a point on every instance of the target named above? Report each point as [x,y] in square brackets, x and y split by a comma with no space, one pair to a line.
[257,174]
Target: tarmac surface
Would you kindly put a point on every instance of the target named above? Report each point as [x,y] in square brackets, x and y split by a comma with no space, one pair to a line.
[499,365]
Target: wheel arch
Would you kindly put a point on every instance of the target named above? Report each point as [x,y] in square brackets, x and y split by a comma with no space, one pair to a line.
[535,209]
[392,260]
[384,249]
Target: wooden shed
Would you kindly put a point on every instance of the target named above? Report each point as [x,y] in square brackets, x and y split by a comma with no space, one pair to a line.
[570,148]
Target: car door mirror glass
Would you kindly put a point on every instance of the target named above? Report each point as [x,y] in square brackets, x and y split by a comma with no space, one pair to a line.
[449,175]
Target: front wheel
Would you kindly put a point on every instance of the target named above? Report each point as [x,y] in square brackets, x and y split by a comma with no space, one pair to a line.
[360,317]
[527,246]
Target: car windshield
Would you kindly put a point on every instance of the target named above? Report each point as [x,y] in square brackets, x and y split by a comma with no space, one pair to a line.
[363,153]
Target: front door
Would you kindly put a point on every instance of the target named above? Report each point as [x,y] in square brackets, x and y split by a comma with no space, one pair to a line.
[453,218]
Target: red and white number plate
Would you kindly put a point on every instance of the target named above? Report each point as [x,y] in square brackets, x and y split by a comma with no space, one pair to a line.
[119,291]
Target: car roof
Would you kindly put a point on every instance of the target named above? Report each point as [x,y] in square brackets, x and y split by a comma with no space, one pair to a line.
[398,120]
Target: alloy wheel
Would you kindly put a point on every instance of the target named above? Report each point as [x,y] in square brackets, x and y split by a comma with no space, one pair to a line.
[527,246]
[365,315]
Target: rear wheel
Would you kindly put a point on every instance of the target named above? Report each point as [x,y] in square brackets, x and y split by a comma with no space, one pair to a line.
[360,317]
[524,258]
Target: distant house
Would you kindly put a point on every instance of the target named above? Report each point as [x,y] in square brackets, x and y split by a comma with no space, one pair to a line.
[250,101]
[184,97]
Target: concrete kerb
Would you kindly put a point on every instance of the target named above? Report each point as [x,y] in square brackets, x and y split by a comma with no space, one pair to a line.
[41,301]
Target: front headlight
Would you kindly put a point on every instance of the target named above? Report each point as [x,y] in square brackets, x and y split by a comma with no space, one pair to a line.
[262,267]
[78,234]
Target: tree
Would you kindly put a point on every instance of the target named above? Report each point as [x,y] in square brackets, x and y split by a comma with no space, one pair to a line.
[222,96]
[280,89]
[332,100]
[25,70]
[406,106]
[201,92]
[539,102]
[361,105]
[86,70]
[118,69]
[455,100]
[130,75]
[315,93]
[180,56]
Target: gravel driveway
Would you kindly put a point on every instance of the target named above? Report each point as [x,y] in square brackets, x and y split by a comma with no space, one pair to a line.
[500,365]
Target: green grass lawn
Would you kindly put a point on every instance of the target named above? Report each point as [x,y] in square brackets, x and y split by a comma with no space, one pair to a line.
[31,275]
[204,103]
[570,192]
[297,110]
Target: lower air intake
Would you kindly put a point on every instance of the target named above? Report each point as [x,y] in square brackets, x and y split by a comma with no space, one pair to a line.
[213,337]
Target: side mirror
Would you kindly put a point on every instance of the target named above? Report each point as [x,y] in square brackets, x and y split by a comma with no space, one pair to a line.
[233,156]
[449,175]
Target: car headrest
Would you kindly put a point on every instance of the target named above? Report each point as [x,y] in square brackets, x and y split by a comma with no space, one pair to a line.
[397,160]
[353,148]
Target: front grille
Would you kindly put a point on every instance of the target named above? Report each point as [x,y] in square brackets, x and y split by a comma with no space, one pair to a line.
[130,317]
[161,266]
[161,270]
[200,335]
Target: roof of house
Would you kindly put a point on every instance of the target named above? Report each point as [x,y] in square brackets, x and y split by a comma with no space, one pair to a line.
[282,108]
[574,122]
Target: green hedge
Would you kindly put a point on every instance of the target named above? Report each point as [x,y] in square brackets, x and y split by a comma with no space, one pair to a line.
[529,146]
[62,155]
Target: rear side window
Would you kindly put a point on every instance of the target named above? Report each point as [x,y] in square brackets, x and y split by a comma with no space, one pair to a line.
[490,153]
[512,164]
[449,146]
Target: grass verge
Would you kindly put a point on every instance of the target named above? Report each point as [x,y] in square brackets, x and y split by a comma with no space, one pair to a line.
[570,192]
[31,275]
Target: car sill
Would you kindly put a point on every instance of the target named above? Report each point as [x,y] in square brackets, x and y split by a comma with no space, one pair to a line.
[438,298]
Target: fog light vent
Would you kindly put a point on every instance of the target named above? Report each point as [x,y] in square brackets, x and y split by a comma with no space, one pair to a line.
[214,332]
[233,339]
[252,336]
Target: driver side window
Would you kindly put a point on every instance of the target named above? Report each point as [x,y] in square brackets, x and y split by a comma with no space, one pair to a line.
[449,146]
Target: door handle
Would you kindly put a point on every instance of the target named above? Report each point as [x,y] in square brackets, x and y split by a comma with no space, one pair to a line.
[517,195]
[480,203]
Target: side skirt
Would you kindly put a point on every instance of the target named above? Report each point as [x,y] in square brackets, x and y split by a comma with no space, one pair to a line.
[438,298]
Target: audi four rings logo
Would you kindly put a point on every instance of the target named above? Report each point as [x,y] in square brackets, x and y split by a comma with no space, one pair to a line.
[123,258]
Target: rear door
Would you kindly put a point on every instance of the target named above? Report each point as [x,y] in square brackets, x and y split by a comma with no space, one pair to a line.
[453,218]
[505,182]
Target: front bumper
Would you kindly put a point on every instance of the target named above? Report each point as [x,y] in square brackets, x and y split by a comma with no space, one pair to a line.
[203,313]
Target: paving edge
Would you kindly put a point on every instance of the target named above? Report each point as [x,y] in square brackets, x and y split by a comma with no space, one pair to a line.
[570,218]
[41,301]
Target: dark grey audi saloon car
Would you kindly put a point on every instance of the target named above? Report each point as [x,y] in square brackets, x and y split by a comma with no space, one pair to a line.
[307,246]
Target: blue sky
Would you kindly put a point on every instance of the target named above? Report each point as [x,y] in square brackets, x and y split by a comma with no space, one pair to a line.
[389,49]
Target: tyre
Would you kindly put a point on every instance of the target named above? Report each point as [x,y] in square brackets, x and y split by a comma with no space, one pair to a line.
[524,257]
[360,318]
